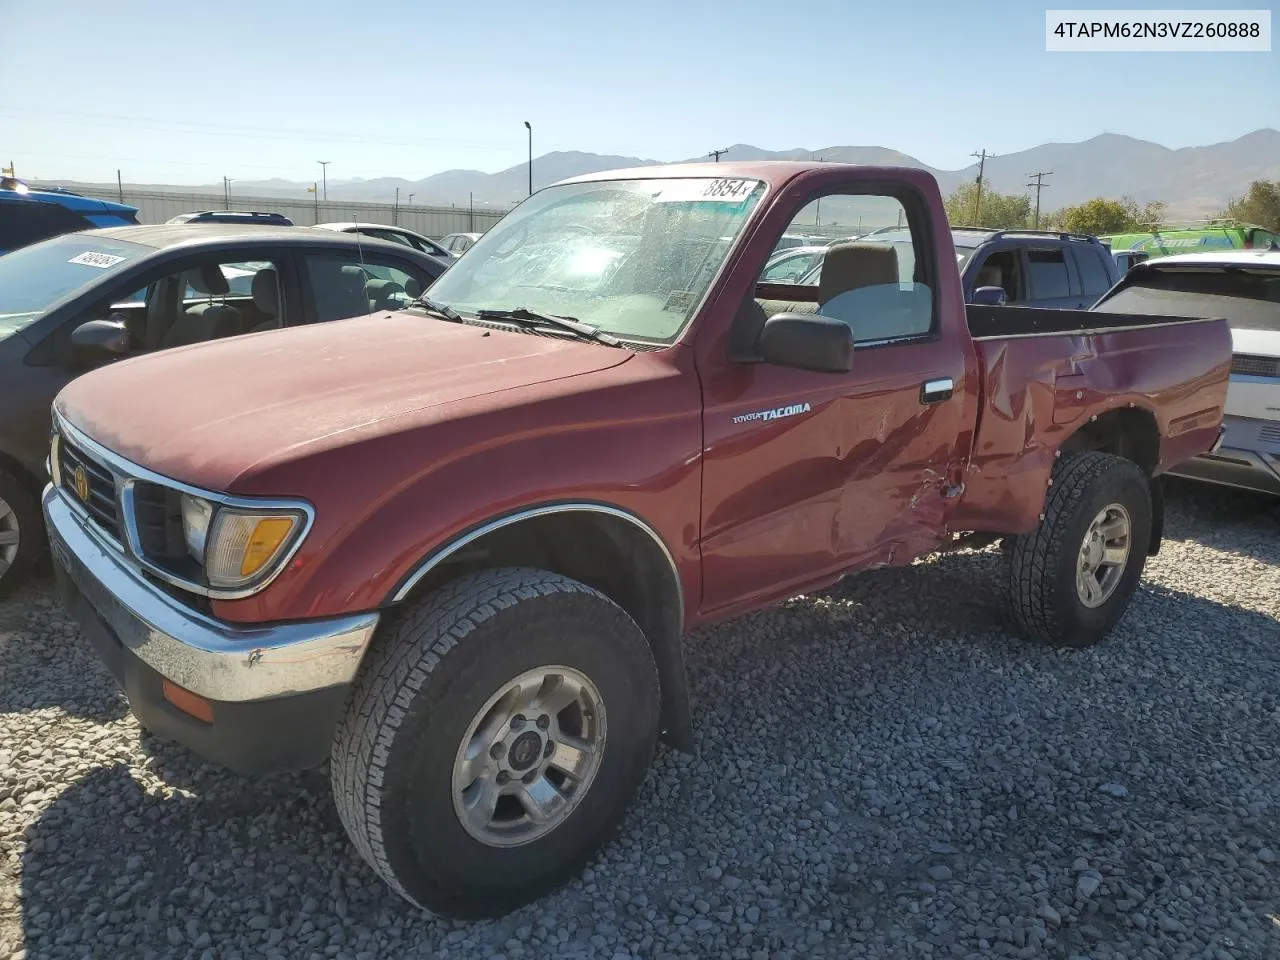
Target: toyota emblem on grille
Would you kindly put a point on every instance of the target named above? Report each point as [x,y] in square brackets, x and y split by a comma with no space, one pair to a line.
[81,481]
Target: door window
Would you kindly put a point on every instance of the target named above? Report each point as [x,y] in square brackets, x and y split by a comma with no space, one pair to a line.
[879,285]
[207,299]
[1048,274]
[1093,272]
[340,286]
[1002,269]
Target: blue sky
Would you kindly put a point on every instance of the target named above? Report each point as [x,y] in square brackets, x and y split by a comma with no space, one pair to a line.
[183,93]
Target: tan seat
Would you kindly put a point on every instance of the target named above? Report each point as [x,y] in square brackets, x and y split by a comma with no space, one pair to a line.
[990,276]
[852,266]
[265,289]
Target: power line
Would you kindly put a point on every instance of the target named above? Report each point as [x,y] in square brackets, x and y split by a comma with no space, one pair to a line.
[1039,184]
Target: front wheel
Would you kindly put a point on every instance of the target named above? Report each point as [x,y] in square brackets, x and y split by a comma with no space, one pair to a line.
[21,532]
[1071,579]
[495,739]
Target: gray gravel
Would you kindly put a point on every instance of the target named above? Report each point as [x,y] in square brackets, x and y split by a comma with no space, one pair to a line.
[884,771]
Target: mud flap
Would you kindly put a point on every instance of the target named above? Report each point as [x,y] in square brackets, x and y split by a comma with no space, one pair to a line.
[1157,515]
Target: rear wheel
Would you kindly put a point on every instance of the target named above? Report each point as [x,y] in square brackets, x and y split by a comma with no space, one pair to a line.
[1071,579]
[495,739]
[21,532]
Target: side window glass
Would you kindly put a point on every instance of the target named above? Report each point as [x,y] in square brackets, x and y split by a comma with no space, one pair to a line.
[207,301]
[341,286]
[788,269]
[1093,272]
[1048,273]
[391,235]
[877,284]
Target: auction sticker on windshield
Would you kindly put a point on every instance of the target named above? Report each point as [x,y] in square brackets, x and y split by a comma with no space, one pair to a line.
[100,260]
[720,190]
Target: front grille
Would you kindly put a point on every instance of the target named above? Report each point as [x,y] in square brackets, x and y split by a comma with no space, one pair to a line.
[1250,365]
[100,487]
[158,514]
[1270,433]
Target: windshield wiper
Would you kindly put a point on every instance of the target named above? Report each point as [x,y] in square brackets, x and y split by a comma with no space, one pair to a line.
[528,318]
[441,310]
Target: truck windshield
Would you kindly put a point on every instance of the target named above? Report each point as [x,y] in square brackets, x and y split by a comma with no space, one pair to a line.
[630,257]
[34,278]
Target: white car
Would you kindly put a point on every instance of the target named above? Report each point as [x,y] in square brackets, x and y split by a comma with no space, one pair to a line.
[1242,286]
[399,235]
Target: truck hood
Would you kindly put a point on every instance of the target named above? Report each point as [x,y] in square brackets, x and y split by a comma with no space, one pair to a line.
[1259,343]
[207,414]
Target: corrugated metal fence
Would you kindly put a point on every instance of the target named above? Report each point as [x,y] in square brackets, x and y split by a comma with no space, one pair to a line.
[156,207]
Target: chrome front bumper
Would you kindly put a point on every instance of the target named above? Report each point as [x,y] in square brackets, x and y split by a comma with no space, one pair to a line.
[217,661]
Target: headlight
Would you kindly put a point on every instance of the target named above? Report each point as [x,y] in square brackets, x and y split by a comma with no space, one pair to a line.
[196,514]
[237,545]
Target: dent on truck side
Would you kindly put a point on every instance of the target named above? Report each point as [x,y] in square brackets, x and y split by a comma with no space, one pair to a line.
[1042,393]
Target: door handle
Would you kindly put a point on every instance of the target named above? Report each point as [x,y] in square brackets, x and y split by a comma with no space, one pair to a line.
[935,391]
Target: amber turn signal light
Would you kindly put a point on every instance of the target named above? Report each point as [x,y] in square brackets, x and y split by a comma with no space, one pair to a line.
[187,702]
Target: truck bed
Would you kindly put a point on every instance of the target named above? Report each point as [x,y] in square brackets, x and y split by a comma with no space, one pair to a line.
[1047,374]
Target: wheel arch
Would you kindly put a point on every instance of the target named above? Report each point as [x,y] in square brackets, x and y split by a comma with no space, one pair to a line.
[1131,432]
[602,545]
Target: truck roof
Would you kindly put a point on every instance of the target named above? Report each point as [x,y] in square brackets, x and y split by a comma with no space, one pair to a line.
[1244,258]
[773,172]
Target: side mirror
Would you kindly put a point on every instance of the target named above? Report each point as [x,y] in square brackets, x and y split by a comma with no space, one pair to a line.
[808,342]
[989,296]
[98,341]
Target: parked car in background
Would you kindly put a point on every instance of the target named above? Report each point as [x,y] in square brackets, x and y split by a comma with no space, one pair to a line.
[242,217]
[1029,268]
[452,551]
[458,243]
[792,263]
[1192,236]
[71,303]
[1244,287]
[1126,260]
[395,234]
[28,216]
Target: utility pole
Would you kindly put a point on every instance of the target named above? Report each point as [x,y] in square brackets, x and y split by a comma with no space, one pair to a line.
[983,157]
[717,153]
[324,177]
[395,210]
[119,186]
[315,192]
[1039,184]
[226,192]
[530,129]
[411,196]
[471,202]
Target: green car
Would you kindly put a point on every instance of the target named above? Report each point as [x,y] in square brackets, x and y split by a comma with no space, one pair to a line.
[1195,236]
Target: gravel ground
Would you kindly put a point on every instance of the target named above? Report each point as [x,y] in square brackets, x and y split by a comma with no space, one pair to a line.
[884,771]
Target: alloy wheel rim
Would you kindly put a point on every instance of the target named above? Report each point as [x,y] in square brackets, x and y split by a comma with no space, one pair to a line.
[529,756]
[10,536]
[1104,555]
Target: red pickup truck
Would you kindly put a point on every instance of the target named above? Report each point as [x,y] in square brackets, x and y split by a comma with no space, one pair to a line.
[453,550]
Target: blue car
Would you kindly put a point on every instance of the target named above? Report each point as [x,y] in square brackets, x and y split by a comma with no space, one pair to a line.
[1024,268]
[28,216]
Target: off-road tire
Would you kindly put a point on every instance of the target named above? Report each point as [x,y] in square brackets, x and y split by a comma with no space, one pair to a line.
[430,670]
[31,543]
[1040,566]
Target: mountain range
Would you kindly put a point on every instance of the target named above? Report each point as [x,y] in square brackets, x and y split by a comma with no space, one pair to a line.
[1193,181]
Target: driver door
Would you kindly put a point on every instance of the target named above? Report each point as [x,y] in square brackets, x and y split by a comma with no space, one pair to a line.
[809,475]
